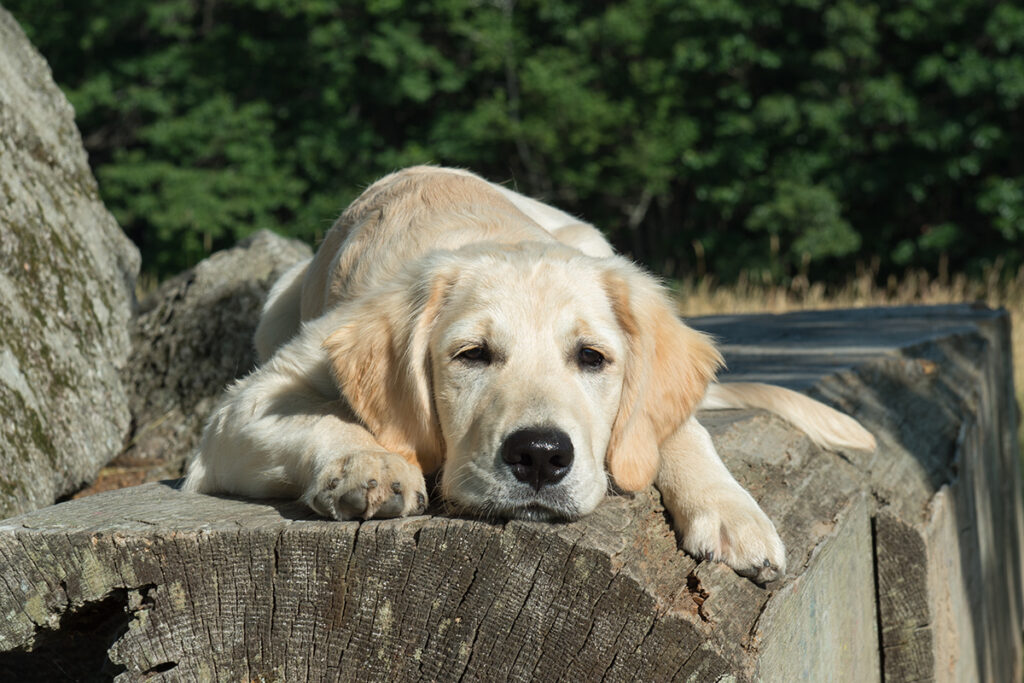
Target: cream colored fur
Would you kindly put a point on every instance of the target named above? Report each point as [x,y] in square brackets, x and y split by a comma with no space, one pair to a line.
[371,374]
[825,426]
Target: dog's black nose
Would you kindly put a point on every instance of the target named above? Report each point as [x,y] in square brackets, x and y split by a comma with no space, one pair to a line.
[538,456]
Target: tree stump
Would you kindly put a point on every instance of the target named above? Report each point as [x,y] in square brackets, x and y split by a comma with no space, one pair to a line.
[903,562]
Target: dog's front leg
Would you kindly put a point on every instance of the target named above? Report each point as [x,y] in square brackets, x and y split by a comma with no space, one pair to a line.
[285,432]
[716,516]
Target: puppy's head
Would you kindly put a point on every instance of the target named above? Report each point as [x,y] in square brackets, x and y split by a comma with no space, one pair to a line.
[531,372]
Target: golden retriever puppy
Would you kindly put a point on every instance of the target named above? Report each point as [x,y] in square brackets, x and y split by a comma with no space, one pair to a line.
[449,323]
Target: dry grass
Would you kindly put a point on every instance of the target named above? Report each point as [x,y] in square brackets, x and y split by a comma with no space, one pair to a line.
[704,297]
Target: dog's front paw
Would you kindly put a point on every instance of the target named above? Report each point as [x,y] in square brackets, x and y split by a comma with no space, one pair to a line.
[731,528]
[366,486]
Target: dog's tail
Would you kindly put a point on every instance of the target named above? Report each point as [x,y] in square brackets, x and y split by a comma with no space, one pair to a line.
[824,425]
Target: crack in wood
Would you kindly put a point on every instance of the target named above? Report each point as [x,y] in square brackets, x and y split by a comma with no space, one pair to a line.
[879,610]
[592,618]
[750,642]
[697,594]
[160,668]
[529,580]
[564,583]
[78,647]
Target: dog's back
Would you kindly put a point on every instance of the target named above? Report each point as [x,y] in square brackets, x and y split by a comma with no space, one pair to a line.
[401,218]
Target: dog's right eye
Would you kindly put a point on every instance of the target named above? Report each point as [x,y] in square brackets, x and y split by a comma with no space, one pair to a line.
[475,354]
[590,359]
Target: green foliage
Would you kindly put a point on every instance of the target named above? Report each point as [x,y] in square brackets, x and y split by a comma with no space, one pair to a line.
[776,136]
[810,218]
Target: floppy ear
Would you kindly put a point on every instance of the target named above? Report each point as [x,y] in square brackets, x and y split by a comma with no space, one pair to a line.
[381,362]
[668,368]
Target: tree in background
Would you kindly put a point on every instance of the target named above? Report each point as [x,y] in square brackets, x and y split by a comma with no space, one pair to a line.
[781,137]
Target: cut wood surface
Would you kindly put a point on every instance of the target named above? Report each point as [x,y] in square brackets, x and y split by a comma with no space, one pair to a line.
[886,552]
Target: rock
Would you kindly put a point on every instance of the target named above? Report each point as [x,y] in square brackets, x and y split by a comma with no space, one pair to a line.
[192,338]
[905,563]
[67,278]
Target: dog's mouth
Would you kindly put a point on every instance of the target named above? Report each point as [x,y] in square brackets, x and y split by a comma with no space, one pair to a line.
[546,506]
[479,494]
[539,512]
[503,510]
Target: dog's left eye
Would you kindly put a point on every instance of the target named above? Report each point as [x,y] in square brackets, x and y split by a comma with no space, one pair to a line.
[590,359]
[475,354]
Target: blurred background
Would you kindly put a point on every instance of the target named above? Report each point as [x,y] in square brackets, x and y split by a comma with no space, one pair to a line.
[791,153]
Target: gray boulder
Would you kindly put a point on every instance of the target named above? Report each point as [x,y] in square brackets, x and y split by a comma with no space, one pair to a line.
[67,277]
[192,338]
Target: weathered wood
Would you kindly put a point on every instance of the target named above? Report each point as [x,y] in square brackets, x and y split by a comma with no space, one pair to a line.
[155,583]
[935,385]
